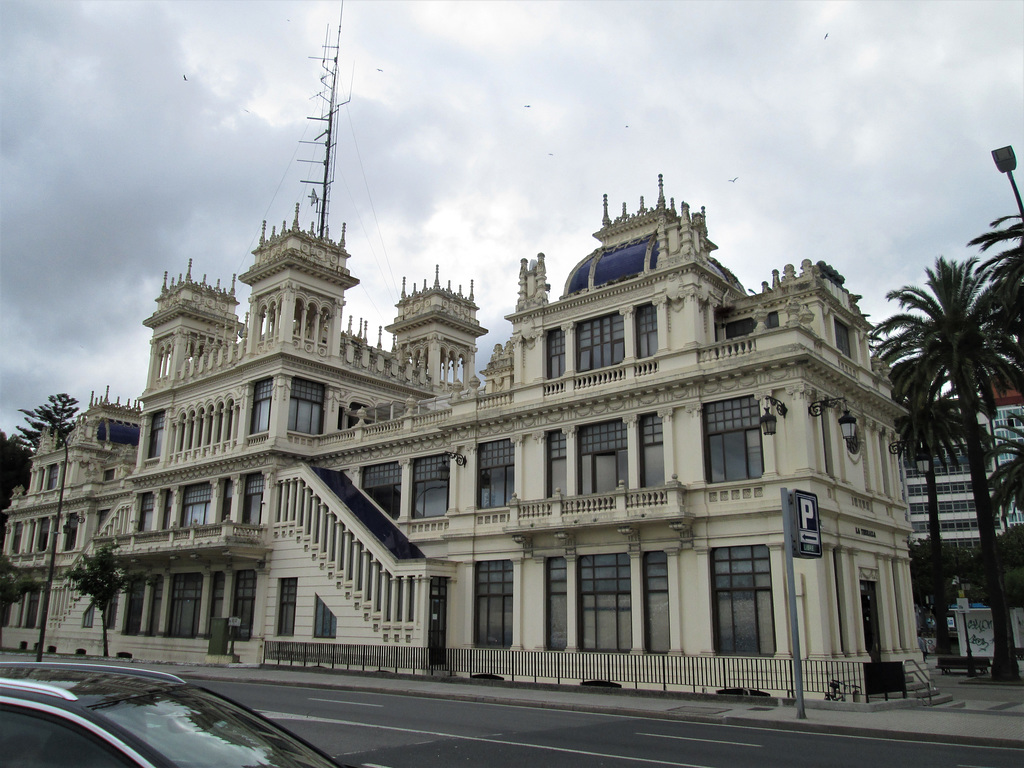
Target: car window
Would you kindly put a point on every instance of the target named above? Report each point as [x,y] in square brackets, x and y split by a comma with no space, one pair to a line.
[30,739]
[194,728]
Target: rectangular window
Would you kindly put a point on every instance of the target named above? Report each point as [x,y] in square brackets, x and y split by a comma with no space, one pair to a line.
[556,352]
[155,607]
[288,591]
[262,392]
[218,580]
[383,484]
[646,330]
[325,623]
[603,456]
[186,594]
[743,600]
[557,478]
[43,538]
[737,328]
[16,538]
[227,498]
[195,504]
[600,342]
[108,475]
[605,603]
[494,603]
[430,486]
[557,614]
[71,532]
[496,480]
[306,408]
[156,434]
[51,477]
[843,338]
[146,506]
[732,440]
[133,612]
[244,604]
[89,616]
[168,508]
[652,456]
[252,505]
[656,608]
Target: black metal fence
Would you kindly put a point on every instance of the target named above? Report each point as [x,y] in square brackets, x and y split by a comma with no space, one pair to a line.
[702,674]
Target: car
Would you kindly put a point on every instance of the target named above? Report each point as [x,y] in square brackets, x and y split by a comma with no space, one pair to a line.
[99,716]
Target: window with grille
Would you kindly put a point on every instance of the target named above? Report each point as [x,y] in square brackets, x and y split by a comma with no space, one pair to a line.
[494,603]
[496,479]
[652,451]
[430,486]
[244,604]
[646,330]
[383,484]
[262,393]
[743,600]
[557,613]
[732,440]
[603,456]
[605,603]
[146,506]
[843,338]
[600,342]
[186,595]
[556,353]
[306,407]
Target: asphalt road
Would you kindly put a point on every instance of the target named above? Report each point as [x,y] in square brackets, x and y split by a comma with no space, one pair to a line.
[391,731]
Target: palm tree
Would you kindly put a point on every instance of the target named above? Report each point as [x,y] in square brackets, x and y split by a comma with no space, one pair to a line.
[930,426]
[953,328]
[1005,270]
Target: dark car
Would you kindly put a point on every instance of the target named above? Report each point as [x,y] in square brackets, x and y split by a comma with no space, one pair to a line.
[97,716]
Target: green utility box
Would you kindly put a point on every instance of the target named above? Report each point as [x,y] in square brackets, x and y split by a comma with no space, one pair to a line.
[218,637]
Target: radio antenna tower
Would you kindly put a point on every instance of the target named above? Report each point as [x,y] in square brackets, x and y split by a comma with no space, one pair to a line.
[329,107]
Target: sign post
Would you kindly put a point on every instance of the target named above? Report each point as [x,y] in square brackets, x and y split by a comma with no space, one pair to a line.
[802,538]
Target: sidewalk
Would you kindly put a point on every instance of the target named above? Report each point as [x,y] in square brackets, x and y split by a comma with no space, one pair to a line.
[982,712]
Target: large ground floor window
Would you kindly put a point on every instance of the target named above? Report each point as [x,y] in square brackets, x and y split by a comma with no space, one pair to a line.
[186,595]
[494,603]
[605,603]
[743,600]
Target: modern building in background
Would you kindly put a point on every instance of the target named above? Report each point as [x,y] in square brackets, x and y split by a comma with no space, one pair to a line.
[612,483]
[958,522]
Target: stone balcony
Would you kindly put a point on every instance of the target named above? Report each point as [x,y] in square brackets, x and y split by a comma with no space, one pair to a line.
[217,541]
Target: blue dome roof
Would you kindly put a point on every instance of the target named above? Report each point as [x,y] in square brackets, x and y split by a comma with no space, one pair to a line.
[614,264]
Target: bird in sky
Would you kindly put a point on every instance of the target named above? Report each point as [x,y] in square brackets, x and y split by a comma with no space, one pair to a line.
[379,69]
[184,78]
[826,35]
[733,179]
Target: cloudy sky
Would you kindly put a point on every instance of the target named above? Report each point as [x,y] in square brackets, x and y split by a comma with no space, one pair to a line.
[139,135]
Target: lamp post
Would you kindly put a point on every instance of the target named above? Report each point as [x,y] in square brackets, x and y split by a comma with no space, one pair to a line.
[1006,162]
[54,533]
[847,423]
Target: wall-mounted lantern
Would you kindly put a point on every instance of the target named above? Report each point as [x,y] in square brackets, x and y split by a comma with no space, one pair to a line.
[847,423]
[768,420]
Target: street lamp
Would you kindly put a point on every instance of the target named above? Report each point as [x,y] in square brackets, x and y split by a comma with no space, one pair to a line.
[768,421]
[1006,162]
[921,460]
[847,423]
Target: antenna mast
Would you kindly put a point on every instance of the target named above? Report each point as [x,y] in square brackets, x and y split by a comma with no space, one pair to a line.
[329,107]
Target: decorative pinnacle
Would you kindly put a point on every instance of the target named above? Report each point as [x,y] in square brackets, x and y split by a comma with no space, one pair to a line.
[295,221]
[437,279]
[263,233]
[471,290]
[343,226]
[403,287]
[661,192]
[606,221]
[188,274]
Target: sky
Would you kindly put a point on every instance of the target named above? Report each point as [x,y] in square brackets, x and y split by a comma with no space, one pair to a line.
[136,136]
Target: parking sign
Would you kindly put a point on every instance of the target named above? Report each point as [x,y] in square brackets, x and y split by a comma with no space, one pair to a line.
[808,525]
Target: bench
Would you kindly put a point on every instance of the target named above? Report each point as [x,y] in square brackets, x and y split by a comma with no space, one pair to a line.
[947,664]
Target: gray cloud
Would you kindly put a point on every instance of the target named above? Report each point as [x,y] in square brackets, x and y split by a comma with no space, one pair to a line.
[869,150]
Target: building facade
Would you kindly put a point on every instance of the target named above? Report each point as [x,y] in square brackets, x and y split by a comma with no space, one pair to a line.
[608,486]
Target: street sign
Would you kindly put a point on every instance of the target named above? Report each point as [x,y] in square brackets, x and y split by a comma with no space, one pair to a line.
[808,525]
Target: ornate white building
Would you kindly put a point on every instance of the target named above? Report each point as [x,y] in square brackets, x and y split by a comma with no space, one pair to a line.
[608,487]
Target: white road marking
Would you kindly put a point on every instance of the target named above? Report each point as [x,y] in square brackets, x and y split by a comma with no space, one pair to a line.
[353,703]
[483,739]
[709,741]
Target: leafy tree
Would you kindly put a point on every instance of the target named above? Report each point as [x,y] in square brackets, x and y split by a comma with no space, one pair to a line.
[15,463]
[1011,547]
[953,328]
[57,415]
[101,577]
[14,584]
[1008,479]
[1014,583]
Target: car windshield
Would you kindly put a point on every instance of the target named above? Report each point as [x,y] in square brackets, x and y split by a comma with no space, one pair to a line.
[194,728]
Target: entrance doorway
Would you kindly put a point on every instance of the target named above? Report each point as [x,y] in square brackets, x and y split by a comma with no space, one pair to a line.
[869,613]
[437,633]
